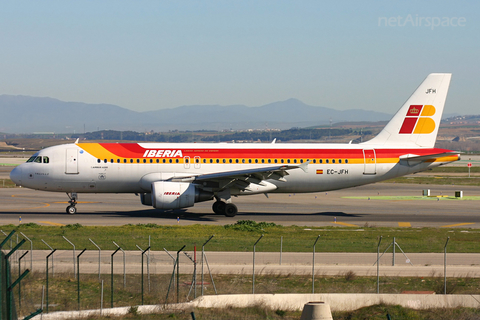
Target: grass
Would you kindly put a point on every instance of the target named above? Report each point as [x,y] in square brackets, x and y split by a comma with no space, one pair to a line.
[234,238]
[464,181]
[63,293]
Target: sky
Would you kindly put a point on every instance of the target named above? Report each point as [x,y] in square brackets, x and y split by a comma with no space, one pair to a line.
[149,55]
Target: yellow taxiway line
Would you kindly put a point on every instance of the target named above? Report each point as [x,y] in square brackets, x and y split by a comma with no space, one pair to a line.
[52,223]
[345,224]
[457,225]
[404,224]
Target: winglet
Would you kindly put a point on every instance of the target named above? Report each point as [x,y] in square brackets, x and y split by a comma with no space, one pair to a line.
[304,166]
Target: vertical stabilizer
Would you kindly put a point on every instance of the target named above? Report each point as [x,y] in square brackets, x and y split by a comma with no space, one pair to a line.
[416,123]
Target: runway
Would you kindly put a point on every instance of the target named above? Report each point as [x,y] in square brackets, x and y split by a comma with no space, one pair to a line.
[315,209]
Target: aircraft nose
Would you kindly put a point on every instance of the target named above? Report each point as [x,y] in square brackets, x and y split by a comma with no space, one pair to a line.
[16,175]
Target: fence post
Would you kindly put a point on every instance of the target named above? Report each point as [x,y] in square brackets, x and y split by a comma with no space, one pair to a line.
[53,273]
[124,273]
[99,256]
[31,250]
[78,276]
[445,267]
[393,252]
[142,270]
[378,265]
[178,271]
[313,266]
[281,249]
[203,255]
[74,255]
[20,285]
[2,273]
[111,277]
[253,273]
[48,256]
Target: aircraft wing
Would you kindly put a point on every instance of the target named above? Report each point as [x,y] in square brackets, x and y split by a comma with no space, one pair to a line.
[240,178]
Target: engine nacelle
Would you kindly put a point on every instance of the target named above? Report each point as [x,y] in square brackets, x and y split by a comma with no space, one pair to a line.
[176,195]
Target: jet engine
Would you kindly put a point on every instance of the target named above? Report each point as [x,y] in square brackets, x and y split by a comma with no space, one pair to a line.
[175,195]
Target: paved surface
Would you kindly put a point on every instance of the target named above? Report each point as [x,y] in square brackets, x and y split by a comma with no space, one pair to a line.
[363,264]
[316,209]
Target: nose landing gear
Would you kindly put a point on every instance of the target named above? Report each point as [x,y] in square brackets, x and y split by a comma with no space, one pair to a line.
[71,209]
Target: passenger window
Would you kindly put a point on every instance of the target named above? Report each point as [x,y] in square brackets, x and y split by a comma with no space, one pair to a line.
[346,160]
[138,160]
[321,161]
[249,160]
[326,161]
[105,161]
[124,160]
[243,160]
[151,160]
[157,160]
[164,160]
[170,160]
[98,160]
[333,160]
[111,160]
[144,160]
[276,160]
[288,160]
[282,161]
[256,160]
[339,160]
[176,161]
[314,160]
[46,160]
[263,160]
[131,160]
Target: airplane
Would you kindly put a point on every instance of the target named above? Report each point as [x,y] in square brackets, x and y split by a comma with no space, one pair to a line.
[178,175]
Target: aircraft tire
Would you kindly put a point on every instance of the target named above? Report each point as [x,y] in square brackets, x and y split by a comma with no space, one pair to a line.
[219,207]
[71,210]
[230,210]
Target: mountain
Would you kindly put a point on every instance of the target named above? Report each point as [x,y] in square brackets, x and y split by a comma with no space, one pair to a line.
[24,114]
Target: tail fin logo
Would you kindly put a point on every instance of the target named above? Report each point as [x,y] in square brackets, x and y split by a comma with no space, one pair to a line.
[418,120]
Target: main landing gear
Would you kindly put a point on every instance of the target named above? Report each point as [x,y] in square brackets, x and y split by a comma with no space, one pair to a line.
[228,209]
[71,209]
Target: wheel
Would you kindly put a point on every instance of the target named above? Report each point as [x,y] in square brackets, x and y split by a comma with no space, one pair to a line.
[219,207]
[71,210]
[230,210]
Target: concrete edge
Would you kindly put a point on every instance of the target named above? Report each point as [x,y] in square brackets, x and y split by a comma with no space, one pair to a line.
[290,302]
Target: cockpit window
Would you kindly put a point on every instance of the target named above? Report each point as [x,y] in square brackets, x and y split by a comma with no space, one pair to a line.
[39,159]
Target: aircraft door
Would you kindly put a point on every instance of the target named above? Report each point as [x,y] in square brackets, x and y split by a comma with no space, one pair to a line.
[197,162]
[71,161]
[370,161]
[186,162]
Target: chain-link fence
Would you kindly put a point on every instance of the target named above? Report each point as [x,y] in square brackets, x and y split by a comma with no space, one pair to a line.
[79,279]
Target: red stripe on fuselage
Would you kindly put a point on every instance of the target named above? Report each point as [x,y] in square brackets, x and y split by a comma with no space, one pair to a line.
[133,150]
